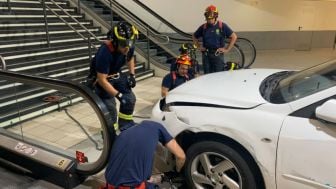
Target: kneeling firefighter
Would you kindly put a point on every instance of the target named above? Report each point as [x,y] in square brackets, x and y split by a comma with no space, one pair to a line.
[110,82]
[177,76]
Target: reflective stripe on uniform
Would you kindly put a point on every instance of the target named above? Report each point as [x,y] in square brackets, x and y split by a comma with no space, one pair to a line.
[116,126]
[125,116]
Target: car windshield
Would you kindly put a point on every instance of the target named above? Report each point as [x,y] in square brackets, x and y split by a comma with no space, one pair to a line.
[290,86]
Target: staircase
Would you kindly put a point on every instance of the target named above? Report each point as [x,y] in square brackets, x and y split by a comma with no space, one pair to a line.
[152,43]
[24,48]
[160,56]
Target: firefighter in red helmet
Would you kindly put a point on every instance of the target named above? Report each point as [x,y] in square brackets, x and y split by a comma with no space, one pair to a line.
[213,34]
[178,76]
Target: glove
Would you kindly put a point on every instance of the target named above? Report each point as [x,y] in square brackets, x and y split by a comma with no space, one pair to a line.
[122,100]
[131,80]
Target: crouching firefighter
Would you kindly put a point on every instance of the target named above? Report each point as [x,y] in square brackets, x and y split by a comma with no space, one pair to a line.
[110,82]
[178,76]
[187,49]
[132,156]
[190,50]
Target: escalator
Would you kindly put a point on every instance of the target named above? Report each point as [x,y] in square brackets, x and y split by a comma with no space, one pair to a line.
[159,40]
[63,142]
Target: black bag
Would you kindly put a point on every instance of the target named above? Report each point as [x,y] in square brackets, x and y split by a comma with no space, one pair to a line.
[91,79]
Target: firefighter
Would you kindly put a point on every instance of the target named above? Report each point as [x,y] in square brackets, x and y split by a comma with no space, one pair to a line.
[190,50]
[114,53]
[177,76]
[131,159]
[213,34]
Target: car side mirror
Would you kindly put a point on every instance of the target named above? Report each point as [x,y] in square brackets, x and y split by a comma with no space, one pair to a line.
[327,111]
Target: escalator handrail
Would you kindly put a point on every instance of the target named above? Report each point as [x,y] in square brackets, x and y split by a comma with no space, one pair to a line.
[95,102]
[187,34]
[253,49]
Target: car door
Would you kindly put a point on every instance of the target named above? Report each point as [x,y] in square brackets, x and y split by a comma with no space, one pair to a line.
[306,156]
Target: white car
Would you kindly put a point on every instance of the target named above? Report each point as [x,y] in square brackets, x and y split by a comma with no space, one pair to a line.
[255,128]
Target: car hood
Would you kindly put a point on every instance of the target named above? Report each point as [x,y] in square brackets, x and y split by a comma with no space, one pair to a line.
[234,89]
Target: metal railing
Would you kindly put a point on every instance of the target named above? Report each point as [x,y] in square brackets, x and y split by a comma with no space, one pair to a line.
[67,23]
[167,46]
[157,38]
[3,63]
[9,6]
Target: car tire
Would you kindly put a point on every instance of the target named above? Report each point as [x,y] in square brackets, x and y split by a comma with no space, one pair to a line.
[216,165]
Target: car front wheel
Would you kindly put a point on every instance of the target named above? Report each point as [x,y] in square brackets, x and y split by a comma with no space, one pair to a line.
[216,165]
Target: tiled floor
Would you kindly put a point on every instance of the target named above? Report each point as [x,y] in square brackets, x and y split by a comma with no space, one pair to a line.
[291,59]
[59,130]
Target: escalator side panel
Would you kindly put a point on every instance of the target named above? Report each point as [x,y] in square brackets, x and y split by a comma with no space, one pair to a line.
[48,166]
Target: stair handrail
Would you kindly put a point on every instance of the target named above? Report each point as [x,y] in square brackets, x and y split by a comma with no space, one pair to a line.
[9,6]
[3,63]
[143,28]
[81,25]
[146,27]
[129,18]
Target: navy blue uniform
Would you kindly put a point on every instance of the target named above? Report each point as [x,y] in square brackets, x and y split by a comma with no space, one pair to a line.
[169,82]
[107,62]
[213,38]
[111,63]
[132,155]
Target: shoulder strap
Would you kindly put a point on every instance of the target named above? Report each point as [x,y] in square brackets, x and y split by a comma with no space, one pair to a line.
[187,77]
[174,77]
[109,45]
[205,26]
[220,24]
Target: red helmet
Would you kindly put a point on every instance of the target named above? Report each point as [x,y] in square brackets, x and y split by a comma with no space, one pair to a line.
[184,59]
[211,12]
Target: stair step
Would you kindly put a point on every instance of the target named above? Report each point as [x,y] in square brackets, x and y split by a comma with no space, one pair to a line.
[25,90]
[160,59]
[37,15]
[34,2]
[43,33]
[60,27]
[39,9]
[24,48]
[41,42]
[59,51]
[28,20]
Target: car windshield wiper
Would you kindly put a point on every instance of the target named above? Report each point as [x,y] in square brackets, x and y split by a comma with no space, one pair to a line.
[272,82]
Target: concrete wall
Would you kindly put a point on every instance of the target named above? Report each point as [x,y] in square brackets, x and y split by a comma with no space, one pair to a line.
[270,24]
[299,40]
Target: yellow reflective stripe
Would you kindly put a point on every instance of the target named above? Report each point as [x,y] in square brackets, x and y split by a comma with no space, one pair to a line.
[116,126]
[183,46]
[135,32]
[232,66]
[125,116]
[117,35]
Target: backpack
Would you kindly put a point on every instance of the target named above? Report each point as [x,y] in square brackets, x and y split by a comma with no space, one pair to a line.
[92,77]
